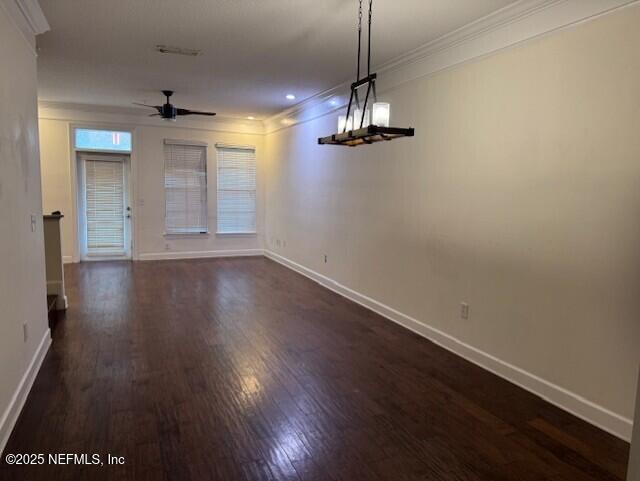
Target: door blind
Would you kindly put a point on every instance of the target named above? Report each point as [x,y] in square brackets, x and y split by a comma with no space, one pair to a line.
[185,182]
[105,207]
[236,190]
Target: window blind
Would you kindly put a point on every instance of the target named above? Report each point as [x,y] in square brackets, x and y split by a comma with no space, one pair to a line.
[105,207]
[185,183]
[236,190]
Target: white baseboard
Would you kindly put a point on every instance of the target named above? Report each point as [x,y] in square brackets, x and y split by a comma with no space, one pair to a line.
[571,402]
[11,414]
[158,256]
[67,260]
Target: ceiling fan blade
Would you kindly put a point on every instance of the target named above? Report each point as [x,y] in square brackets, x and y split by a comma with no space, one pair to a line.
[193,112]
[157,107]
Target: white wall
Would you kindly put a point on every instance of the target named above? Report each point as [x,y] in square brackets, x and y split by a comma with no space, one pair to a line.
[519,195]
[22,283]
[59,183]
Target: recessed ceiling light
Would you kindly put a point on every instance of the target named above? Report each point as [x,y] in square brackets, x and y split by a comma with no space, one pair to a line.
[251,117]
[291,97]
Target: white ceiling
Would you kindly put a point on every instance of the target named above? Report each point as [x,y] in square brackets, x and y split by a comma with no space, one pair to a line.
[254,51]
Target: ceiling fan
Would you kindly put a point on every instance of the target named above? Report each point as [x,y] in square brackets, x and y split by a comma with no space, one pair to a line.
[170,112]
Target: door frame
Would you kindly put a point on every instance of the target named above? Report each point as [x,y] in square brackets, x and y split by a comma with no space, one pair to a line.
[83,157]
[76,192]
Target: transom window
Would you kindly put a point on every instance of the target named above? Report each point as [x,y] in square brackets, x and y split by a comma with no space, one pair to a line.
[102,140]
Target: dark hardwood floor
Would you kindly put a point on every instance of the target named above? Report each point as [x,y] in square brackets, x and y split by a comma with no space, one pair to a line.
[240,369]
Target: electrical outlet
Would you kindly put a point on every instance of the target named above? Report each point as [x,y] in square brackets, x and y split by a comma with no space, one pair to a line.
[464,310]
[25,331]
[167,246]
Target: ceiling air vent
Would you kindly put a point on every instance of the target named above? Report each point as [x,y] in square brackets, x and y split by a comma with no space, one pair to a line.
[178,50]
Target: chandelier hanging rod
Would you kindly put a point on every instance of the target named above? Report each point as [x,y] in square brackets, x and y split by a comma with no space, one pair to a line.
[368,40]
[352,131]
[369,80]
[369,43]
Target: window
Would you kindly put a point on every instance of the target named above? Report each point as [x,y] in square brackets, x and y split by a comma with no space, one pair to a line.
[185,185]
[236,190]
[104,140]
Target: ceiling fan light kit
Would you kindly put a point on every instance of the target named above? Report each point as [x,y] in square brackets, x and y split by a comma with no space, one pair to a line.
[361,125]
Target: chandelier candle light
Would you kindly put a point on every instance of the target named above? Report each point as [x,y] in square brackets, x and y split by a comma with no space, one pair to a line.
[362,125]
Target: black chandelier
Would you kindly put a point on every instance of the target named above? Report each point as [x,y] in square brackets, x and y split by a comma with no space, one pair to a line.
[359,127]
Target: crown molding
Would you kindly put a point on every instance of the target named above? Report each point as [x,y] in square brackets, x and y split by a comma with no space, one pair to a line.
[135,116]
[27,18]
[78,107]
[33,16]
[507,27]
